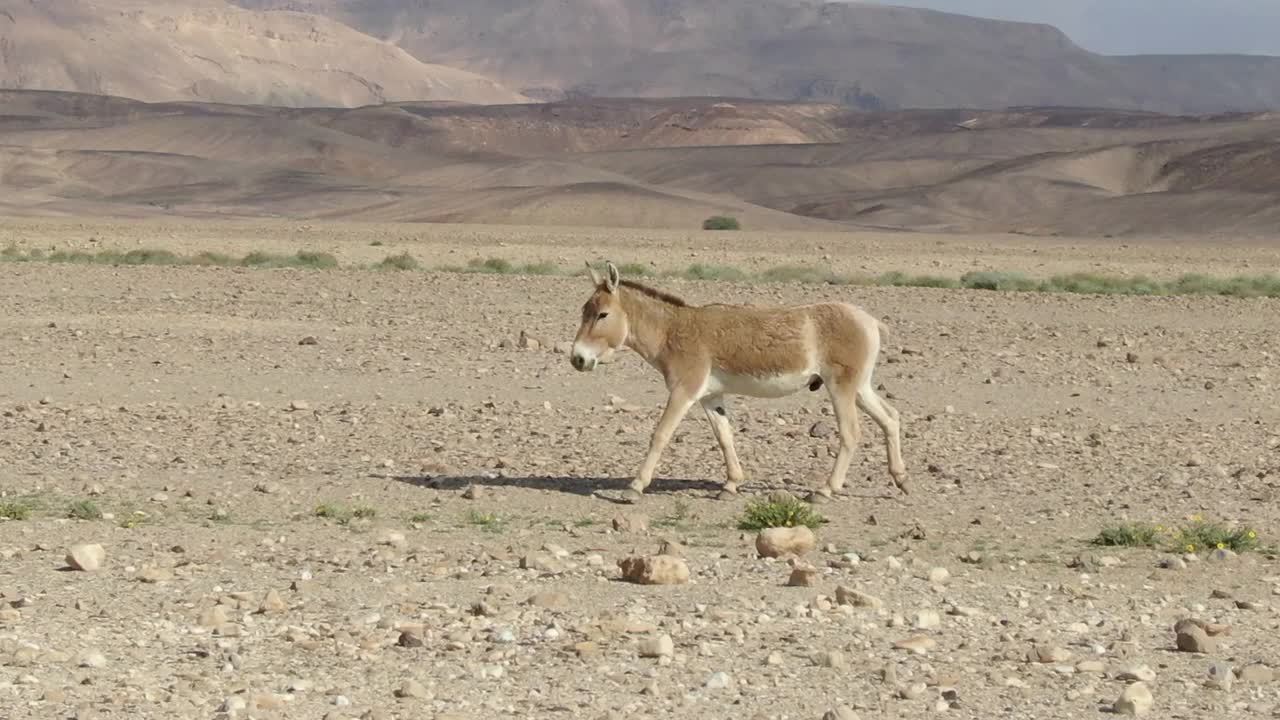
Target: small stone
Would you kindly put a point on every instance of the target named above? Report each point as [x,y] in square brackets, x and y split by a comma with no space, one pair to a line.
[779,541]
[939,575]
[913,691]
[632,522]
[1048,654]
[153,575]
[857,598]
[10,616]
[1093,667]
[392,538]
[309,340]
[655,570]
[671,547]
[657,647]
[214,616]
[550,599]
[473,492]
[918,644]
[411,689]
[1220,677]
[719,681]
[840,712]
[1193,639]
[820,429]
[93,659]
[1135,700]
[927,619]
[299,405]
[272,602]
[831,659]
[1223,555]
[86,556]
[1256,674]
[802,577]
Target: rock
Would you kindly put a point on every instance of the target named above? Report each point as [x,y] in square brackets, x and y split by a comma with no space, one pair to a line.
[1256,674]
[411,689]
[802,577]
[939,576]
[913,691]
[542,562]
[299,405]
[272,602]
[1220,677]
[528,342]
[671,547]
[1222,555]
[719,681]
[153,575]
[631,522]
[392,538]
[214,616]
[86,556]
[550,599]
[1093,667]
[93,659]
[1135,700]
[927,619]
[779,541]
[857,598]
[918,644]
[655,570]
[820,429]
[831,659]
[840,712]
[1193,639]
[1048,654]
[10,616]
[474,492]
[657,647]
[309,340]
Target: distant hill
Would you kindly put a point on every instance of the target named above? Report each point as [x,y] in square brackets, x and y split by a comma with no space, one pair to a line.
[865,56]
[212,51]
[647,163]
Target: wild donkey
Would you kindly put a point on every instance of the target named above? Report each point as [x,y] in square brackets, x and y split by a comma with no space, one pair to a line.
[706,352]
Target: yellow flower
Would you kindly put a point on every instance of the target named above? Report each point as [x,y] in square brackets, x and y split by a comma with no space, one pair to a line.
[1197,517]
[1252,534]
[1221,545]
[1191,548]
[1159,528]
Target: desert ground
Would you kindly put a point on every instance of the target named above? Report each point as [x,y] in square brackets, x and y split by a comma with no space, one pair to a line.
[351,493]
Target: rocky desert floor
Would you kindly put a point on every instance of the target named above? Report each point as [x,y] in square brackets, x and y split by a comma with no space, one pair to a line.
[358,494]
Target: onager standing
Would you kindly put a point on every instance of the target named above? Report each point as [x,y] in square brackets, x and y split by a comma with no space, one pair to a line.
[706,352]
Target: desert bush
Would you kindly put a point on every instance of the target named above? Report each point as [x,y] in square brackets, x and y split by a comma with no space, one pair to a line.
[721,222]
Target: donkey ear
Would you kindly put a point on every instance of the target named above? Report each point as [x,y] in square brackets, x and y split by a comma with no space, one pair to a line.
[611,282]
[595,275]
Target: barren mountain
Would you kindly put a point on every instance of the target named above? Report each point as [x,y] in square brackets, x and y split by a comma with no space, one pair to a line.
[647,163]
[865,56]
[212,51]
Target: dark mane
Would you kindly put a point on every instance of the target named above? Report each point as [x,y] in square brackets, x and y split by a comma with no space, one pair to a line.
[655,293]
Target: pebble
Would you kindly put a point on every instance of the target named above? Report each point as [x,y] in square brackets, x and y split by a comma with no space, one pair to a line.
[411,689]
[93,659]
[1048,654]
[857,598]
[1137,673]
[1193,639]
[830,659]
[841,712]
[719,681]
[657,647]
[1220,677]
[927,619]
[272,602]
[86,556]
[632,522]
[802,577]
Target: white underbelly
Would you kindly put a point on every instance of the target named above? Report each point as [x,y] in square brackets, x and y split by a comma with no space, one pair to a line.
[720,382]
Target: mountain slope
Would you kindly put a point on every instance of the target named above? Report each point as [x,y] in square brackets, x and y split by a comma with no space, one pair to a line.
[212,51]
[865,56]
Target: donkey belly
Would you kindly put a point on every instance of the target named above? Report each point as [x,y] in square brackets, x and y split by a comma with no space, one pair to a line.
[777,385]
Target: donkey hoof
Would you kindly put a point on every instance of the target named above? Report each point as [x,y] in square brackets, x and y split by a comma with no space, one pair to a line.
[727,494]
[820,497]
[631,496]
[904,484]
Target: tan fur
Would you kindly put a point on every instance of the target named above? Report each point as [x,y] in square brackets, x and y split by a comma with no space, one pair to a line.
[706,352]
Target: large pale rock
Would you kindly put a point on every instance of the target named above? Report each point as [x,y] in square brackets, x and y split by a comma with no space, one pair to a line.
[1135,700]
[779,541]
[86,556]
[654,570]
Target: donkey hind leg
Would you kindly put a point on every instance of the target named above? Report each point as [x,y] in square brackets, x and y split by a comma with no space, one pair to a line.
[844,400]
[678,404]
[886,417]
[717,414]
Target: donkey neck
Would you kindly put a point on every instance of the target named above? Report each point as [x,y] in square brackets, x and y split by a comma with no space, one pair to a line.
[649,319]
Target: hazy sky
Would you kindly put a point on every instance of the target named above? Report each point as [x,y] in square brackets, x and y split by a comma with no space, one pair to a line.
[1123,27]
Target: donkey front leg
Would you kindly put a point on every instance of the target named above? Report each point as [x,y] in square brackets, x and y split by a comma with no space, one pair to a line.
[678,404]
[718,415]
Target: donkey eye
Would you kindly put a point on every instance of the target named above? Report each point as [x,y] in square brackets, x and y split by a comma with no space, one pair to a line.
[602,316]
